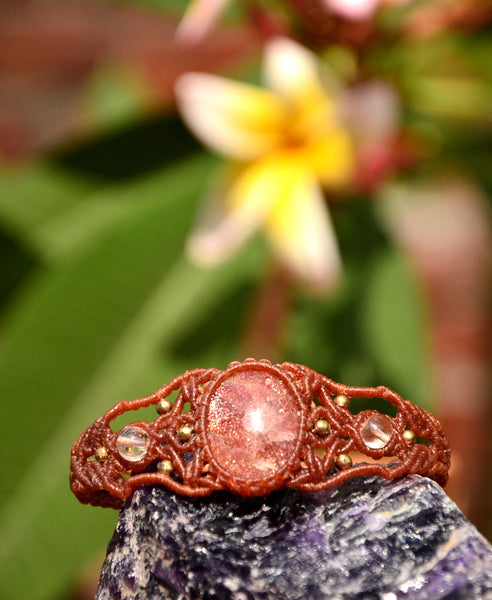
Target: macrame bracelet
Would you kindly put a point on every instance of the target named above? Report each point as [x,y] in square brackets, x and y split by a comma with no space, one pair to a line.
[252,429]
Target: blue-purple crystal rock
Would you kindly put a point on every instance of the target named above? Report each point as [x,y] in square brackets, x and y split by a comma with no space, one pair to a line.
[369,539]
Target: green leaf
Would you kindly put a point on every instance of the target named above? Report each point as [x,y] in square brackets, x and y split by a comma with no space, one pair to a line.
[31,197]
[100,324]
[395,327]
[112,98]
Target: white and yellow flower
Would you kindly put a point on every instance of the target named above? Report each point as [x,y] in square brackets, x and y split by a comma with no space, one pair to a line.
[286,143]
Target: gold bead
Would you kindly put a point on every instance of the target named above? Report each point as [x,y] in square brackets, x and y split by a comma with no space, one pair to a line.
[165,467]
[184,433]
[342,401]
[409,437]
[322,427]
[163,406]
[343,461]
[101,454]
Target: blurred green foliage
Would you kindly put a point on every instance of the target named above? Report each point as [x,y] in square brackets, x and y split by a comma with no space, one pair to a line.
[100,304]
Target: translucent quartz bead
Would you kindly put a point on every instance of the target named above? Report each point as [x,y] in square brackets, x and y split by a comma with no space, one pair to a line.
[132,443]
[377,431]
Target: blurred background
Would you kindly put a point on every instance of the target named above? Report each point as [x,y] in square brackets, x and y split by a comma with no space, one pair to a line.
[100,184]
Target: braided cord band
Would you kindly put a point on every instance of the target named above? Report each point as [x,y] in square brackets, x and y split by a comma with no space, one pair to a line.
[252,429]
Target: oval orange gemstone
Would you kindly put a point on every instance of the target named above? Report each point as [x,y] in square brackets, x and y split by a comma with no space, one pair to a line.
[252,424]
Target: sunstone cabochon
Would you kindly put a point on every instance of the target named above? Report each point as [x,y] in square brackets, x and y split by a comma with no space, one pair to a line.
[252,424]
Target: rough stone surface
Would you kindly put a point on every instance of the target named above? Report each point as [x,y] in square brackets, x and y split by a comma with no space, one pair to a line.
[369,539]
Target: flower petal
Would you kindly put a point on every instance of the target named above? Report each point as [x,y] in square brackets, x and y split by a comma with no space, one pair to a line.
[235,208]
[293,72]
[332,158]
[301,232]
[199,18]
[373,111]
[353,9]
[235,119]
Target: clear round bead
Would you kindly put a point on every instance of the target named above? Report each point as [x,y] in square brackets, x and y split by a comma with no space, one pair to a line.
[132,443]
[377,431]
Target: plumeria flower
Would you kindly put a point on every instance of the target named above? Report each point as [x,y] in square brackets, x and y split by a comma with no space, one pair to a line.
[201,15]
[199,18]
[286,143]
[353,9]
[358,9]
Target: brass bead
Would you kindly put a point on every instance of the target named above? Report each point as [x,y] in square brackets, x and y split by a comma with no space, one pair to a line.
[342,401]
[409,437]
[322,427]
[184,433]
[101,454]
[343,461]
[165,467]
[163,406]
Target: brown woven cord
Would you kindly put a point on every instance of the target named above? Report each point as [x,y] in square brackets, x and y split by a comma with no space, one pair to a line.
[312,465]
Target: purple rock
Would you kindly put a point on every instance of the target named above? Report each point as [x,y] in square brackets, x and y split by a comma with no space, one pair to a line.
[369,539]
